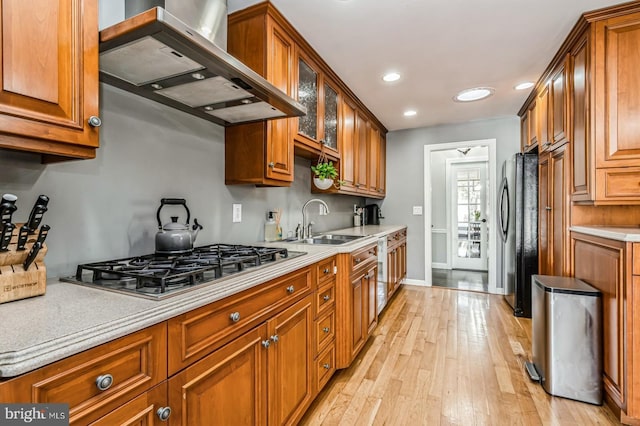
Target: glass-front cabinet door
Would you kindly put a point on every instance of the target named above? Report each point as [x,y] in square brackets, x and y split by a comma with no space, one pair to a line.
[308,96]
[321,97]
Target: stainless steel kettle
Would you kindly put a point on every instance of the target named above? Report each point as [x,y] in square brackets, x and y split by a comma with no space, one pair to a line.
[174,237]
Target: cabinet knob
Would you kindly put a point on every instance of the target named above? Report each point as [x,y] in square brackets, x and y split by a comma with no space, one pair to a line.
[326,297]
[357,185]
[235,316]
[326,366]
[366,277]
[548,208]
[94,121]
[326,329]
[104,381]
[274,338]
[164,413]
[357,260]
[326,271]
[266,344]
[290,289]
[271,165]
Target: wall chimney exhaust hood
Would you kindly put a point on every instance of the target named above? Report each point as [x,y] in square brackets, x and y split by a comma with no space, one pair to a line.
[157,56]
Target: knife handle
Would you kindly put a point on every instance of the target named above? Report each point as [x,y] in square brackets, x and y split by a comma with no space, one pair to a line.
[36,217]
[22,237]
[5,236]
[42,235]
[32,255]
[6,211]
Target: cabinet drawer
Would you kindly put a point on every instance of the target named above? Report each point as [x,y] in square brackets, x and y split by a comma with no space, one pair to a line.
[197,333]
[325,298]
[359,258]
[325,331]
[618,184]
[141,411]
[326,270]
[135,363]
[325,367]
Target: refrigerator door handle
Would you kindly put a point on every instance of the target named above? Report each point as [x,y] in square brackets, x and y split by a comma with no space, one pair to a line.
[504,204]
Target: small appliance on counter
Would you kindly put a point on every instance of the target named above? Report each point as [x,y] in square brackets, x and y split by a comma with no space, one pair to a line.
[373,214]
[22,270]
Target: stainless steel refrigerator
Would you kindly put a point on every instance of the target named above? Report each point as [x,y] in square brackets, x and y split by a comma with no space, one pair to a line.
[518,220]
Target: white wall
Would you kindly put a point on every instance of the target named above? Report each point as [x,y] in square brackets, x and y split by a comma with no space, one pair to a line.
[405,176]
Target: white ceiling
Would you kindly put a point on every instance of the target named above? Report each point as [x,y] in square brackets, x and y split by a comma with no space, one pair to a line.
[438,46]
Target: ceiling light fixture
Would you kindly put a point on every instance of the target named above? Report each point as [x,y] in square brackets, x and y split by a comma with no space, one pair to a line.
[524,86]
[475,94]
[392,76]
[410,113]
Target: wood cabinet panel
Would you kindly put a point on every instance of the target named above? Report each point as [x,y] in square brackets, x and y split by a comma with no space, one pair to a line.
[348,147]
[559,106]
[142,411]
[361,257]
[325,298]
[325,331]
[49,77]
[542,114]
[582,167]
[560,170]
[290,360]
[618,184]
[601,263]
[326,270]
[325,366]
[371,288]
[136,363]
[194,334]
[229,385]
[617,90]
[362,149]
[358,309]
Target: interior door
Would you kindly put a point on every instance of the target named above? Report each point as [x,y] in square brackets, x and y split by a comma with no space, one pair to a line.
[469,215]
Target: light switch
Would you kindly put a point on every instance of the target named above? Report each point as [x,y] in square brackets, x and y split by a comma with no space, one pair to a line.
[237,213]
[417,210]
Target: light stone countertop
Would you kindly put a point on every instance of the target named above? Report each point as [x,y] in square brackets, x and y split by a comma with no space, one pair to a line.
[71,318]
[619,233]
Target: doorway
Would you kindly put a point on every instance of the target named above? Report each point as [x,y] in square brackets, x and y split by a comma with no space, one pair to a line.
[459,222]
[467,183]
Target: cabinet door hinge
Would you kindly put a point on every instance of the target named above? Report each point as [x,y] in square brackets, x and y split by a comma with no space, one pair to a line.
[335,270]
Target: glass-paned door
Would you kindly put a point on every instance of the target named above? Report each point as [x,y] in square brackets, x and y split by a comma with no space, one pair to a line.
[308,96]
[469,215]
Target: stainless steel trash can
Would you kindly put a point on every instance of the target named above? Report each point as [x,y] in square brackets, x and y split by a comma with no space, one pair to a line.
[567,337]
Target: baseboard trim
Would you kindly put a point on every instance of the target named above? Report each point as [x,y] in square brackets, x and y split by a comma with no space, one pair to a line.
[421,283]
[438,265]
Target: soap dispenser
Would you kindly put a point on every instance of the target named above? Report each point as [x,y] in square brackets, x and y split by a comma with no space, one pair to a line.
[270,228]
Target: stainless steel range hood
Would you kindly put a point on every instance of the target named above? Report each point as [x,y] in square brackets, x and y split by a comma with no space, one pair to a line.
[156,55]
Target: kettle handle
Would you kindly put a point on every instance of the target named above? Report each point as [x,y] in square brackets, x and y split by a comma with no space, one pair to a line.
[174,202]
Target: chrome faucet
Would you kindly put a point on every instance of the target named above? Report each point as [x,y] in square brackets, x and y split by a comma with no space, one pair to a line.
[306,227]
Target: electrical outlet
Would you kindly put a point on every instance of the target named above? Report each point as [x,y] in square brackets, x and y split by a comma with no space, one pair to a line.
[417,210]
[237,213]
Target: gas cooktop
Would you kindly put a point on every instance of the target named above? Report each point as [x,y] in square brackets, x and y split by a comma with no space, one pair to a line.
[157,276]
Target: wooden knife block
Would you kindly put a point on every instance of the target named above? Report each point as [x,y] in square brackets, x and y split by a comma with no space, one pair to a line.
[15,282]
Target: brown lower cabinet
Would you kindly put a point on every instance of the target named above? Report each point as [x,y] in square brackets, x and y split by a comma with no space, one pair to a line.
[613,267]
[257,357]
[264,374]
[396,260]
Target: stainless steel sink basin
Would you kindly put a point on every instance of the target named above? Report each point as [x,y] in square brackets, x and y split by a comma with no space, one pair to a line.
[334,239]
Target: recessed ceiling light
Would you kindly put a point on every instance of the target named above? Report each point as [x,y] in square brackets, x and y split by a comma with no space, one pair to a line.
[392,76]
[410,113]
[524,86]
[475,94]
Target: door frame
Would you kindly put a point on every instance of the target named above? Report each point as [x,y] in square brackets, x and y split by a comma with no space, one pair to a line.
[449,162]
[493,172]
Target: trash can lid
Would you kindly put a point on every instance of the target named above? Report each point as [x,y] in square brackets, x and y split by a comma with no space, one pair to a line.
[570,285]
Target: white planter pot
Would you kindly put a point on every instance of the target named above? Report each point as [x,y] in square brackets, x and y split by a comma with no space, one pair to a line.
[322,183]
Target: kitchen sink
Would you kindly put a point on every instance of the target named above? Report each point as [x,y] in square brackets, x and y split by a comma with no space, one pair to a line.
[333,239]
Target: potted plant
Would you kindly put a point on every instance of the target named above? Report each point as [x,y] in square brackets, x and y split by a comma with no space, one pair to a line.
[324,174]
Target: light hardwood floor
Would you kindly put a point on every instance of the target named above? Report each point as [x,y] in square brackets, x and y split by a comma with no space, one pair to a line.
[443,357]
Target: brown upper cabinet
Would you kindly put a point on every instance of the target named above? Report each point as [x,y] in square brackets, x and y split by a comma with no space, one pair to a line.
[529,130]
[49,92]
[590,92]
[263,153]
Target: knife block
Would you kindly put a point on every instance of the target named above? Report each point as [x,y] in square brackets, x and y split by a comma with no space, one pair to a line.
[15,282]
